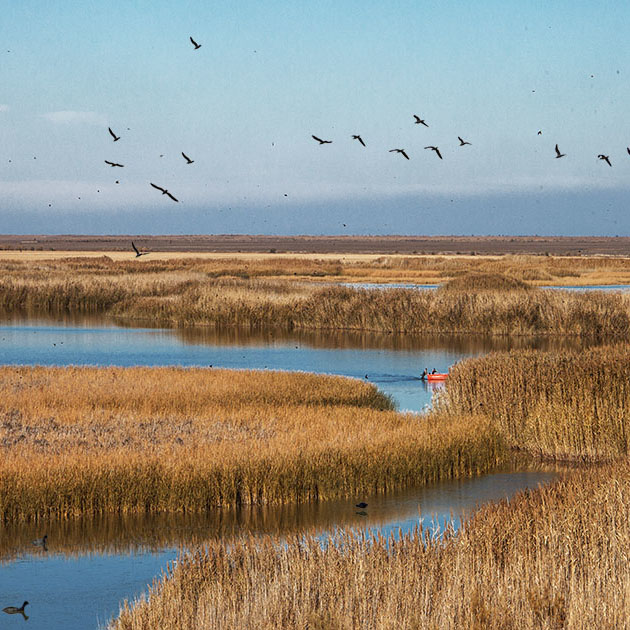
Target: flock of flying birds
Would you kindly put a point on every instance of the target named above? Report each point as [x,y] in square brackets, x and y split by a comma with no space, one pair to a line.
[116,138]
[462,143]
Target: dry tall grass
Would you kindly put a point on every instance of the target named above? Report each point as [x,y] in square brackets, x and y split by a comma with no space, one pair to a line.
[561,405]
[553,558]
[94,440]
[189,295]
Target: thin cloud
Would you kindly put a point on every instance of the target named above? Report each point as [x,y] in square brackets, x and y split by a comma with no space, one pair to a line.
[4,108]
[69,117]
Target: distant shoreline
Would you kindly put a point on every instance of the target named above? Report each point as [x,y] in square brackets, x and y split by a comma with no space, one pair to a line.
[386,245]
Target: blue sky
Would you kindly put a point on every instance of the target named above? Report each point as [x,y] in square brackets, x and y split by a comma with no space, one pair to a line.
[270,74]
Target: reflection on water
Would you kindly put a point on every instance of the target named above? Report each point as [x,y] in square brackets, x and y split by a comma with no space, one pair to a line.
[393,362]
[92,565]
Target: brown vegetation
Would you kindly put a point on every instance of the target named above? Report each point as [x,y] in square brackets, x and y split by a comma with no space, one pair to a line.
[553,558]
[94,440]
[558,405]
[226,294]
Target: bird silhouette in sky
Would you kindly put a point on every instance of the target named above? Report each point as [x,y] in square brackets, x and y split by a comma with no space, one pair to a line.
[462,142]
[558,154]
[419,121]
[436,150]
[138,252]
[164,191]
[188,160]
[359,138]
[605,158]
[401,151]
[116,138]
[195,44]
[114,164]
[321,141]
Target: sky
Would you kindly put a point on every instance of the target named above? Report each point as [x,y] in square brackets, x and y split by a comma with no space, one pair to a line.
[271,74]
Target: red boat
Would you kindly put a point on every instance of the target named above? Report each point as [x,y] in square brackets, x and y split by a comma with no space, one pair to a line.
[436,377]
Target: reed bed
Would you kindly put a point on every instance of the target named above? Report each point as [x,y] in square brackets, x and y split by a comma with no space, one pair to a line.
[551,558]
[565,405]
[95,440]
[483,303]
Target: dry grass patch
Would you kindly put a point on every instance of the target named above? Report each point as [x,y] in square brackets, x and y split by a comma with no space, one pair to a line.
[553,558]
[93,440]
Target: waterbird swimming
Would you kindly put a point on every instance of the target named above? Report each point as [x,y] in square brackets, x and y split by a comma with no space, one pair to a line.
[401,151]
[558,154]
[113,163]
[436,150]
[164,191]
[188,160]
[462,142]
[359,138]
[12,610]
[605,158]
[419,121]
[361,505]
[116,138]
[195,44]
[321,141]
[41,542]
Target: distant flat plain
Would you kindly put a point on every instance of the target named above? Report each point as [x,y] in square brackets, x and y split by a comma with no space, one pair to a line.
[349,245]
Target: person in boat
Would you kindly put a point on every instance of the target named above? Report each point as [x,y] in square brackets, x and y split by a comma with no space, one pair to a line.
[423,376]
[434,371]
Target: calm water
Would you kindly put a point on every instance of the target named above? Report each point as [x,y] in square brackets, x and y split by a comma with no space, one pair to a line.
[392,362]
[92,565]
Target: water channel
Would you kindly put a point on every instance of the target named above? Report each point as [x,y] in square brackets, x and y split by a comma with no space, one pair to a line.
[91,565]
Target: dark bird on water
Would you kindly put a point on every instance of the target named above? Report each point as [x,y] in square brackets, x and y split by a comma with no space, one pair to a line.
[114,164]
[419,121]
[195,44]
[13,610]
[401,151]
[164,191]
[359,138]
[138,252]
[321,141]
[361,505]
[436,150]
[558,154]
[462,142]
[606,158]
[628,150]
[188,160]
[116,138]
[41,542]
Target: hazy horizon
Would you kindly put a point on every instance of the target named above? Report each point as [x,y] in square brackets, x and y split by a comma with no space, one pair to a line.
[269,76]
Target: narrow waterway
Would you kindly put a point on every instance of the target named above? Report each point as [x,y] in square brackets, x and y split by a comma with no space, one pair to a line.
[91,565]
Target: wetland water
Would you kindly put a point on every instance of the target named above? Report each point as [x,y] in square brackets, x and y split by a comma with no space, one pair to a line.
[91,565]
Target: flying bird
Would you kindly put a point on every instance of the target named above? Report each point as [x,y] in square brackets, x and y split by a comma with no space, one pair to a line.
[116,138]
[138,252]
[164,191]
[462,142]
[558,154]
[321,141]
[627,149]
[419,121]
[195,44]
[188,160]
[436,150]
[606,158]
[359,138]
[401,151]
[114,164]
